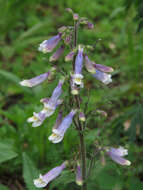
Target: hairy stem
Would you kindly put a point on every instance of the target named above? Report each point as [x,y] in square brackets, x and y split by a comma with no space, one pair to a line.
[79,125]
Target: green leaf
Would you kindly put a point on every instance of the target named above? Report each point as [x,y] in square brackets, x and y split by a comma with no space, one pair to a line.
[29,172]
[9,76]
[6,152]
[3,187]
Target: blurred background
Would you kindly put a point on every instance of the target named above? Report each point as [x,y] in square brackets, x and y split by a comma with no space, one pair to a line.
[26,151]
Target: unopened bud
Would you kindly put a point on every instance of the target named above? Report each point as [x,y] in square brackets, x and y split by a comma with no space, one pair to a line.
[75,16]
[90,25]
[81,116]
[62,29]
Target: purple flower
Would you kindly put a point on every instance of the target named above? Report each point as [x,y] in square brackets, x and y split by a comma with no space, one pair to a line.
[79,61]
[81,116]
[90,66]
[51,104]
[49,45]
[75,16]
[104,68]
[90,25]
[58,120]
[103,77]
[70,56]
[79,180]
[98,71]
[57,54]
[77,76]
[43,180]
[117,154]
[58,133]
[37,119]
[36,80]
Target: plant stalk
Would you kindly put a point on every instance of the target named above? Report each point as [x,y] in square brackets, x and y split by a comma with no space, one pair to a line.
[79,125]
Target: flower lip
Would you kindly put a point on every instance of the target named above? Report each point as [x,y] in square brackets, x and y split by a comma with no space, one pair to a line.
[77,78]
[40,182]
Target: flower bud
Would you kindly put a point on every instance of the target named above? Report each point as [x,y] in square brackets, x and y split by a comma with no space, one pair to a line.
[81,116]
[104,68]
[62,29]
[90,25]
[75,16]
[79,180]
[69,10]
[57,54]
[70,56]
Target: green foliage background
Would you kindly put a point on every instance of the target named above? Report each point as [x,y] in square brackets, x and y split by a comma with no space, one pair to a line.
[25,150]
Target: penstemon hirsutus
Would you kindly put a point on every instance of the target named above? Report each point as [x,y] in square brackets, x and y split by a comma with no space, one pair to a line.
[78,57]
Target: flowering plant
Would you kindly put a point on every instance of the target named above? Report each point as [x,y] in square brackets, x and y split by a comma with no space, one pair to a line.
[78,57]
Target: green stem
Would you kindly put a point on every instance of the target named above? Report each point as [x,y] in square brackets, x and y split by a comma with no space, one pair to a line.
[79,125]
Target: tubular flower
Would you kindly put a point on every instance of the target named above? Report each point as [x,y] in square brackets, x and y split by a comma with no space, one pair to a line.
[69,57]
[36,80]
[49,45]
[103,77]
[37,119]
[90,66]
[51,103]
[77,76]
[58,133]
[117,154]
[57,54]
[98,71]
[79,180]
[104,68]
[58,120]
[43,180]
